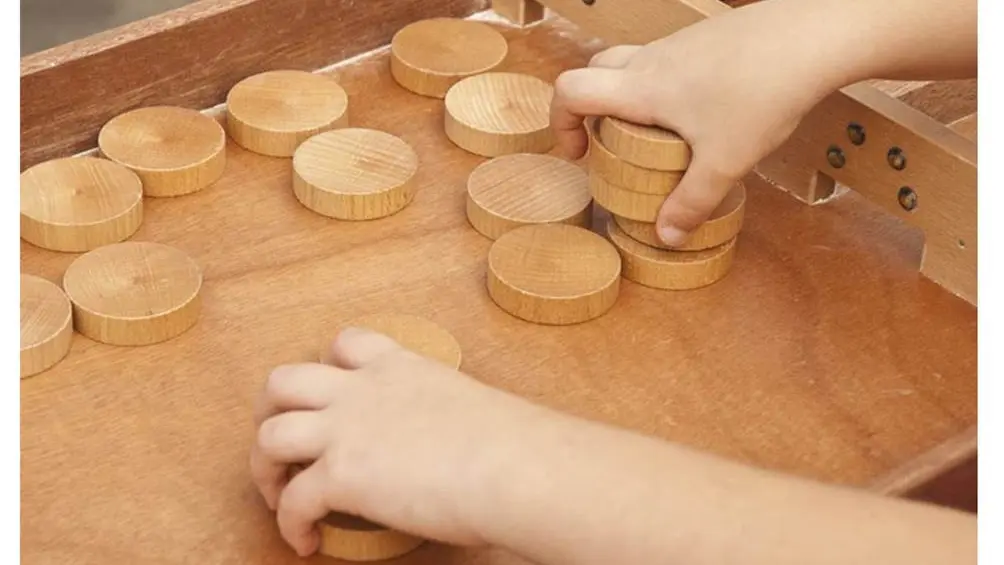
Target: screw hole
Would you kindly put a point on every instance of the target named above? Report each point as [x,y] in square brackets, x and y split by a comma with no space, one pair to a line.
[907,198]
[962,244]
[588,2]
[896,158]
[856,133]
[835,157]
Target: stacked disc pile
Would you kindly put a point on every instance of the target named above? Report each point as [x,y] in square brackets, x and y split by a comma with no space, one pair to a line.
[632,170]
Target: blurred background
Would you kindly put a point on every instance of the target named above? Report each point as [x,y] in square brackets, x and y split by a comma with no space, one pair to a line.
[47,23]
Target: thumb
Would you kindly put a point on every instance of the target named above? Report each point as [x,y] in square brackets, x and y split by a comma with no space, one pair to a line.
[593,91]
[701,190]
[355,348]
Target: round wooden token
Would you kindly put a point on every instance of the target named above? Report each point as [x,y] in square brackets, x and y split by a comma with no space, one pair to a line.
[354,174]
[79,203]
[645,146]
[626,175]
[553,274]
[429,56]
[516,190]
[724,224]
[671,270]
[272,113]
[134,293]
[416,334]
[46,325]
[625,203]
[495,114]
[174,151]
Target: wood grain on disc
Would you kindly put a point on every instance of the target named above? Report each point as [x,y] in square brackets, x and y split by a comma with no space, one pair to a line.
[627,175]
[354,174]
[430,56]
[553,274]
[625,203]
[134,293]
[46,325]
[414,333]
[175,151]
[272,113]
[645,146]
[79,203]
[497,113]
[724,224]
[671,270]
[516,190]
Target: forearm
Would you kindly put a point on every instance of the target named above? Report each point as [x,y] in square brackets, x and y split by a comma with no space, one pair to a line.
[597,496]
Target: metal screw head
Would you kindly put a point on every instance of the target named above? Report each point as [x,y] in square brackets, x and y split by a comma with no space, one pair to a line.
[907,198]
[856,132]
[835,157]
[896,158]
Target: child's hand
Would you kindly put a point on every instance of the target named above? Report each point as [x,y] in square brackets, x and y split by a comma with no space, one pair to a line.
[397,439]
[734,87]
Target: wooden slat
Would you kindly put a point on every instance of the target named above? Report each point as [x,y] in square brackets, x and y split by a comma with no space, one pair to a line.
[192,56]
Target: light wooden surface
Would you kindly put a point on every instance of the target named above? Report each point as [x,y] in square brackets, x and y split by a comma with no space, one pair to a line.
[517,190]
[78,204]
[823,353]
[644,146]
[420,335]
[625,175]
[46,325]
[639,206]
[520,12]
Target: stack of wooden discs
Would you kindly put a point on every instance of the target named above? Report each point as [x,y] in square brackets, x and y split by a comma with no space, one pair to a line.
[632,170]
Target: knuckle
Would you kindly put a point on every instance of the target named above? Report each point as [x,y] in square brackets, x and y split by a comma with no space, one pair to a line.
[271,434]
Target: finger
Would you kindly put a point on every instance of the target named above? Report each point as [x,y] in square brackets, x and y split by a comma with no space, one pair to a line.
[301,505]
[593,91]
[306,386]
[700,191]
[290,437]
[355,348]
[269,486]
[614,57]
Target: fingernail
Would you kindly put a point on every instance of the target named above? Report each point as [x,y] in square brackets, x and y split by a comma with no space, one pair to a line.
[672,236]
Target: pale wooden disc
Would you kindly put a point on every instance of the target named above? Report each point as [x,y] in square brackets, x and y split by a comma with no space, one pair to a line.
[724,224]
[553,274]
[416,334]
[625,203]
[495,114]
[430,56]
[645,146]
[516,190]
[79,203]
[272,113]
[46,325]
[134,293]
[174,150]
[671,270]
[354,174]
[626,175]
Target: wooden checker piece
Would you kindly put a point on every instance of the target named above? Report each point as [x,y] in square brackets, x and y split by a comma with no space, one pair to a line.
[46,325]
[625,203]
[414,333]
[134,293]
[429,56]
[724,224]
[498,113]
[76,204]
[624,174]
[553,274]
[671,270]
[645,146]
[272,113]
[354,174]
[175,151]
[516,190]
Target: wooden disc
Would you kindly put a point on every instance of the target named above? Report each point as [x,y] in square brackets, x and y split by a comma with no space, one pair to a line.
[354,174]
[174,151]
[553,274]
[134,293]
[724,224]
[416,334]
[272,113]
[645,146]
[79,203]
[495,114]
[671,270]
[626,175]
[516,190]
[625,203]
[429,56]
[46,325]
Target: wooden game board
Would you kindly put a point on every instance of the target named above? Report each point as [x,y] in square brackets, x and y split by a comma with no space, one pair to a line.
[824,353]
